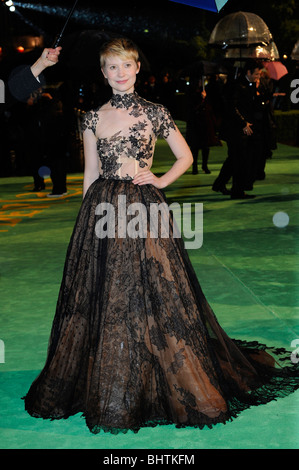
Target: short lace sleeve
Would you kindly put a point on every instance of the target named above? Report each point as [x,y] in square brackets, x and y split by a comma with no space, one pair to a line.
[89,121]
[165,122]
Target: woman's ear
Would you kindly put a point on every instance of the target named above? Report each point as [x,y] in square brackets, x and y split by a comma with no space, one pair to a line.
[138,67]
[102,69]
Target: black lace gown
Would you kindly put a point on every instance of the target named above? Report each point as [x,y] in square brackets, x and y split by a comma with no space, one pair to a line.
[134,342]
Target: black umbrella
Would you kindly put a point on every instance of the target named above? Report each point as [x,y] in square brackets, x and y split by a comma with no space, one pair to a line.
[203,68]
[59,36]
[80,52]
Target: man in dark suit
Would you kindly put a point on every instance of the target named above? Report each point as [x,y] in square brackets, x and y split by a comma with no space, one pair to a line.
[243,133]
[45,117]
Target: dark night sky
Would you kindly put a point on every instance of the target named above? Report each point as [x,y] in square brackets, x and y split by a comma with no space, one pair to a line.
[162,18]
[157,26]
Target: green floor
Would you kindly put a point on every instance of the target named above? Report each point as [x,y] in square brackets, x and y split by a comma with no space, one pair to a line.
[246,266]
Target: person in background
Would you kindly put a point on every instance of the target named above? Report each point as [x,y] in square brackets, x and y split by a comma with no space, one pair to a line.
[26,79]
[200,132]
[45,118]
[268,125]
[244,131]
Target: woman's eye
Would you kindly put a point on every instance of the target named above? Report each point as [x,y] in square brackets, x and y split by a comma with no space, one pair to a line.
[128,65]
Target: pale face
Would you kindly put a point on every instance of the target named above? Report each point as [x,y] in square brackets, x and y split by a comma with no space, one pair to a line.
[254,76]
[121,74]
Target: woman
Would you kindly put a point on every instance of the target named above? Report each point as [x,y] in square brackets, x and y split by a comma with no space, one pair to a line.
[134,342]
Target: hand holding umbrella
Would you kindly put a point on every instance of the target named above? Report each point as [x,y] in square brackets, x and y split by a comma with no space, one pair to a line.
[24,80]
[20,83]
[48,58]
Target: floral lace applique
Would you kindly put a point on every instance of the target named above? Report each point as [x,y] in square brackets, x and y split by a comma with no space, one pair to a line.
[90,121]
[152,121]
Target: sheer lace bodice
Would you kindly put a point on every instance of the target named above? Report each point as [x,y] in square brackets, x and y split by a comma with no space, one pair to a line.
[130,149]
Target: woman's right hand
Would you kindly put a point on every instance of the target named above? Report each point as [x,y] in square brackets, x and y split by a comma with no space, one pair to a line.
[148,177]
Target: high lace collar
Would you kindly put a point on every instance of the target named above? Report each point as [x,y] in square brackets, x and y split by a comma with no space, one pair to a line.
[124,101]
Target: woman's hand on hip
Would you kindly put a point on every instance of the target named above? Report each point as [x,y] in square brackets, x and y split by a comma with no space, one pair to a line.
[147,177]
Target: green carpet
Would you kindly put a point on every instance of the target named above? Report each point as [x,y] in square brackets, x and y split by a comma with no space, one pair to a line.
[247,269]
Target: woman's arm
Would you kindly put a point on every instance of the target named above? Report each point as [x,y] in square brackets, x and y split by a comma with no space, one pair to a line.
[91,159]
[183,161]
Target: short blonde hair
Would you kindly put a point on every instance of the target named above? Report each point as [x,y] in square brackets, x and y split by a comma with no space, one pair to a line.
[120,47]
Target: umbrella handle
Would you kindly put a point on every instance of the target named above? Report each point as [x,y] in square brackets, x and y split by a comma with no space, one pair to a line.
[59,36]
[57,41]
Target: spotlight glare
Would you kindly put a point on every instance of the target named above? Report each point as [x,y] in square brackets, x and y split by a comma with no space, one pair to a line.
[44,172]
[281,219]
[12,8]
[9,3]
